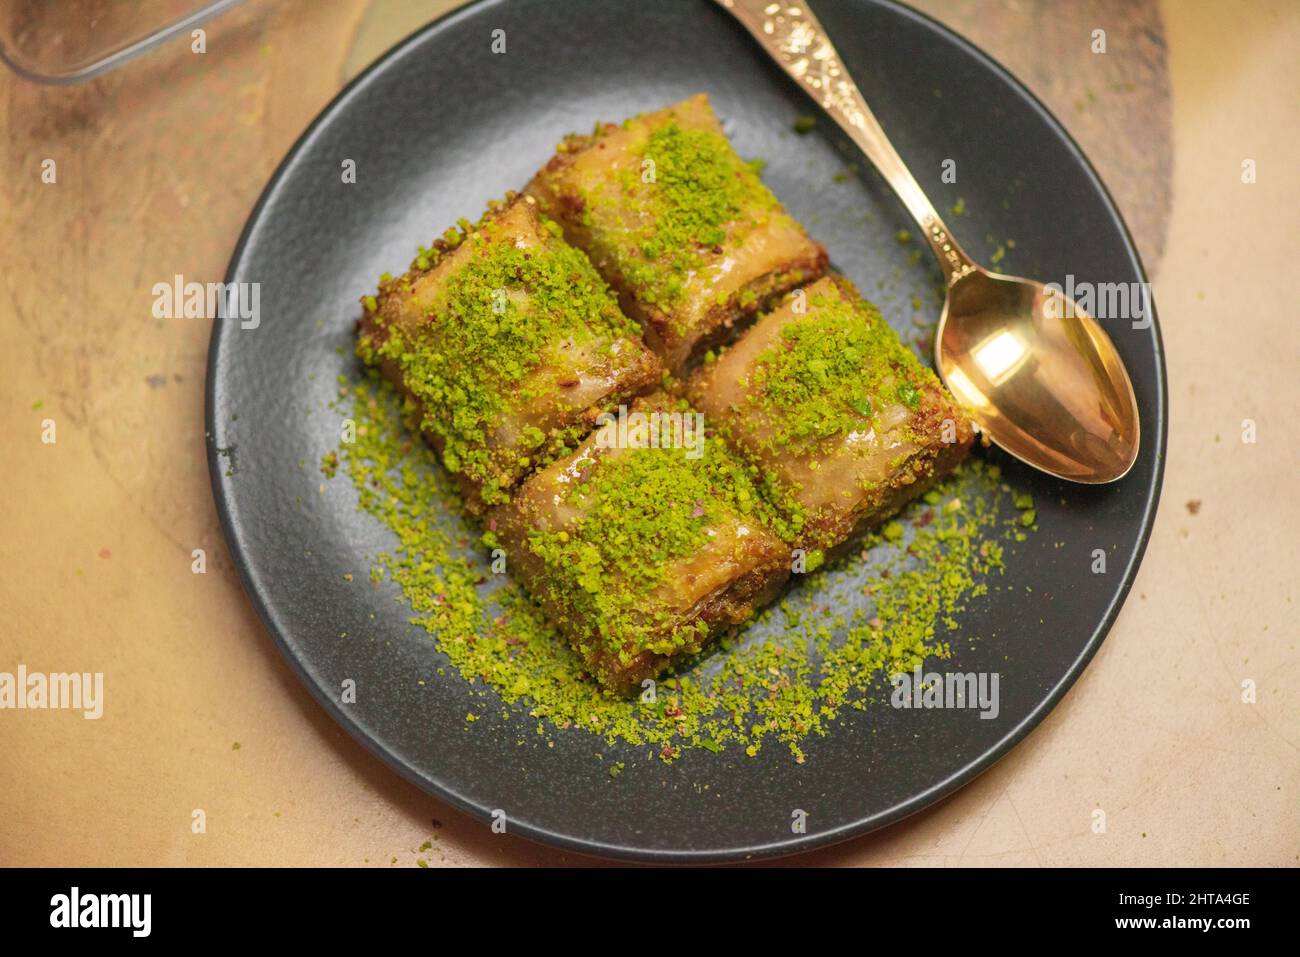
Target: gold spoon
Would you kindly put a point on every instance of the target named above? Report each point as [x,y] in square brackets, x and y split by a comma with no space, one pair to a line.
[1036,374]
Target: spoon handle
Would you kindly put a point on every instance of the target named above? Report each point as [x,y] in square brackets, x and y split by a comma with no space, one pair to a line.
[796,40]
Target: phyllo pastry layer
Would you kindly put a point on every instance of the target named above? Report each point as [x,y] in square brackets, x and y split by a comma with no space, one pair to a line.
[644,544]
[509,343]
[679,224]
[841,420]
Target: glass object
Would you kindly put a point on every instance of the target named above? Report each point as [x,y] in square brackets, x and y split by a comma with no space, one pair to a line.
[68,41]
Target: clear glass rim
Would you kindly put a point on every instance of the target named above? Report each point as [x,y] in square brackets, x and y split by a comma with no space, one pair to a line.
[121,54]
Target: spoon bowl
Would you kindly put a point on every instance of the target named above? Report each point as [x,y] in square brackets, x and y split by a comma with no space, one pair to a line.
[1039,376]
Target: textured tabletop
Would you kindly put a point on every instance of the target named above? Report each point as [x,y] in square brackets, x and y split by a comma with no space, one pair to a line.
[1185,729]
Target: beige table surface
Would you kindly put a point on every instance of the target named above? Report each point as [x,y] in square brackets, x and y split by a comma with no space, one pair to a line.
[160,162]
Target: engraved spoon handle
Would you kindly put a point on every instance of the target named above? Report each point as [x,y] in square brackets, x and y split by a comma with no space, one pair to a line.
[796,40]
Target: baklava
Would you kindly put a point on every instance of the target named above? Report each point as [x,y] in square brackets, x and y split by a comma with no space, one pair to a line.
[642,547]
[679,225]
[841,420]
[508,342]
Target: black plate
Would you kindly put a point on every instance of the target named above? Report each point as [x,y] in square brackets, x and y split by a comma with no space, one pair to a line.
[440,125]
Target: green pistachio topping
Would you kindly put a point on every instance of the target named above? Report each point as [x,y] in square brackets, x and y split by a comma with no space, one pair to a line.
[499,315]
[834,370]
[640,512]
[689,194]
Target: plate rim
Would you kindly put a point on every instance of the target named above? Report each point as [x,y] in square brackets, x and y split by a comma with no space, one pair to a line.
[232,529]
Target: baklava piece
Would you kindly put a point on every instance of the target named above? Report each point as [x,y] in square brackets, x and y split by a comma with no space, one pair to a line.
[642,547]
[508,343]
[841,420]
[678,224]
